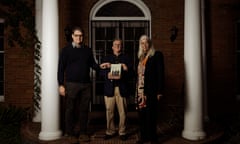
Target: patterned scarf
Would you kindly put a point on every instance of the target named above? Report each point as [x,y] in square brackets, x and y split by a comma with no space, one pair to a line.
[140,98]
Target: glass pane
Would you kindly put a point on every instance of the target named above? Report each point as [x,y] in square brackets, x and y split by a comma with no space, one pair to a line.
[100,50]
[129,33]
[238,73]
[111,33]
[1,74]
[138,32]
[100,33]
[109,48]
[1,88]
[1,60]
[1,44]
[129,48]
[1,29]
[238,36]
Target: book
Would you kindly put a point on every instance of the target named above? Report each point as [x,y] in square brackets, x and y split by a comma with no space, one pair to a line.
[116,71]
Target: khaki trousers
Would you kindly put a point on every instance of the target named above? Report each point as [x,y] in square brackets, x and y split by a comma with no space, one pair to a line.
[121,103]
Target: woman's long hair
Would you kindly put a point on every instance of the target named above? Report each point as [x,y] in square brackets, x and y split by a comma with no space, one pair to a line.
[151,49]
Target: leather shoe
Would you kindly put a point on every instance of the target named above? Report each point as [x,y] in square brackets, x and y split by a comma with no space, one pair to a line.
[107,136]
[139,142]
[123,137]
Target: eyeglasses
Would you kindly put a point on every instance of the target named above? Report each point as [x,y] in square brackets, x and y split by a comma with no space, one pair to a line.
[77,35]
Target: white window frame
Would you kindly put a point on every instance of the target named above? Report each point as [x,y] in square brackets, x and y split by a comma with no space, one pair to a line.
[2,96]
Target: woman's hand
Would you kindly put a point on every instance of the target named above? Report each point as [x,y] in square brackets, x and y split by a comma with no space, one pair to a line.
[159,96]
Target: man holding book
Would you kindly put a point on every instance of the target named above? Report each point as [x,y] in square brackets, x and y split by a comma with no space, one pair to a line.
[116,75]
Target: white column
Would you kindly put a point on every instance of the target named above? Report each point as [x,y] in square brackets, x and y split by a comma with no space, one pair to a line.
[50,127]
[38,25]
[193,114]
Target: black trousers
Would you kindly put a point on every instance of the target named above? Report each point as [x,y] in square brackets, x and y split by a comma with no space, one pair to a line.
[77,107]
[148,122]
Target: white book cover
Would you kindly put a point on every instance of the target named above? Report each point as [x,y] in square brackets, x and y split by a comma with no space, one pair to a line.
[116,69]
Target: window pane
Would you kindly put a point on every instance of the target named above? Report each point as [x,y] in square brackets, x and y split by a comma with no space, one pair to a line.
[100,33]
[111,33]
[138,32]
[1,89]
[1,29]
[1,44]
[129,33]
[238,73]
[238,36]
[1,60]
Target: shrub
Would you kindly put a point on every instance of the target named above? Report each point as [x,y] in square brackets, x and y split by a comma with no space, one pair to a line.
[10,124]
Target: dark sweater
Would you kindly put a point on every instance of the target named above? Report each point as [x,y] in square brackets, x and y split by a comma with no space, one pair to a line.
[75,64]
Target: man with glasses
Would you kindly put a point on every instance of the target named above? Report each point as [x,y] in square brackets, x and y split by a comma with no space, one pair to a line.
[75,62]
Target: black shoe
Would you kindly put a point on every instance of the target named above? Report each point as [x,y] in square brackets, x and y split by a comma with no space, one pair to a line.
[107,136]
[123,137]
[139,142]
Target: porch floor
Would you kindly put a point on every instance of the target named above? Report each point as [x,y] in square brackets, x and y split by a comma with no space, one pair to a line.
[30,132]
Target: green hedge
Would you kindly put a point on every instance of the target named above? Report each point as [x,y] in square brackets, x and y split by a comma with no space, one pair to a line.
[10,124]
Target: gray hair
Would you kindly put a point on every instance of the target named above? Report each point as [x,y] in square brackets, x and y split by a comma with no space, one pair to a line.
[151,50]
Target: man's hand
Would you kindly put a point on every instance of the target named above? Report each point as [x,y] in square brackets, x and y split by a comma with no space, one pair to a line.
[124,66]
[105,65]
[62,91]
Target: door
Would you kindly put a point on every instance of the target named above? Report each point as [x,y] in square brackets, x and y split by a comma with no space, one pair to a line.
[103,33]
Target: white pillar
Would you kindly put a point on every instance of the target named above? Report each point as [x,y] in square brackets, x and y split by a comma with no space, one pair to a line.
[193,114]
[50,126]
[38,25]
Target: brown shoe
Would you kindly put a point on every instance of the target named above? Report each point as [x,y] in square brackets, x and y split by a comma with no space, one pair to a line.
[71,139]
[84,138]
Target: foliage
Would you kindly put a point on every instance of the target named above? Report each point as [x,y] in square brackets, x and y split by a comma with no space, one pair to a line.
[20,24]
[10,124]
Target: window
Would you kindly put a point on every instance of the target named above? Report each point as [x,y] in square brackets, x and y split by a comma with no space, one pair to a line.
[1,60]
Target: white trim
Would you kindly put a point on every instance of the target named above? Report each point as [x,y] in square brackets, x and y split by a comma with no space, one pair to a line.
[141,5]
[138,3]
[120,18]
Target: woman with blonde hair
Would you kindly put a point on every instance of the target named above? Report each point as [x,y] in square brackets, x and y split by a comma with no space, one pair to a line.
[150,82]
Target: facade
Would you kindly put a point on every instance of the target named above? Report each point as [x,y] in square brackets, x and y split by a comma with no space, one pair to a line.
[202,66]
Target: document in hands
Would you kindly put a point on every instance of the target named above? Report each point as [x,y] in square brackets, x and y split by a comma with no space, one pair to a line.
[116,70]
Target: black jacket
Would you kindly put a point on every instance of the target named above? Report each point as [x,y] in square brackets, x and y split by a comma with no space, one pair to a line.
[154,76]
[123,82]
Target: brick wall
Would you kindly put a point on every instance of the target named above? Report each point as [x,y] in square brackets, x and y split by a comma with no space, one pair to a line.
[19,76]
[221,16]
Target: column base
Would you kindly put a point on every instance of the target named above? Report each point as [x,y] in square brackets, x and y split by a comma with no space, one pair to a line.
[193,135]
[50,135]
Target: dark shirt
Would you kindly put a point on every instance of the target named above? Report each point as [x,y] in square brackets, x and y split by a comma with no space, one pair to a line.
[123,82]
[75,64]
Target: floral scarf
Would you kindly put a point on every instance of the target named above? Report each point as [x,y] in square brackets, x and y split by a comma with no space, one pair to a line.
[140,98]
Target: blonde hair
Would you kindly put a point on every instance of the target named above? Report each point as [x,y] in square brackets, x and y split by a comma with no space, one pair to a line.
[151,50]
